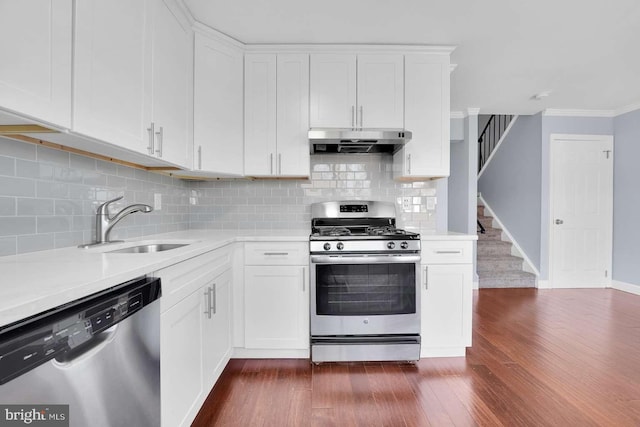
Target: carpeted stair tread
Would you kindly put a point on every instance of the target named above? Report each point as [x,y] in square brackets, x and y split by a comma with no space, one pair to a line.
[496,267]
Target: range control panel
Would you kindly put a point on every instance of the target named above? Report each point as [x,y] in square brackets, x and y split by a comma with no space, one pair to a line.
[354,208]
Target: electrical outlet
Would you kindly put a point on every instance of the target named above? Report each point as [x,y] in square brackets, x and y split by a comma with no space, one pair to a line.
[406,204]
[157,201]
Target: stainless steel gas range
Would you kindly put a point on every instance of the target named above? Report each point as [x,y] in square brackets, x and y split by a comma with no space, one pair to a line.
[365,277]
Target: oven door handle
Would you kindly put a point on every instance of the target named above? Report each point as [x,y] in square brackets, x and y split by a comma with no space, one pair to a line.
[360,259]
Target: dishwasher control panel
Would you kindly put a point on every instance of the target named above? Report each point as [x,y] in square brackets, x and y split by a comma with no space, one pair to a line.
[64,332]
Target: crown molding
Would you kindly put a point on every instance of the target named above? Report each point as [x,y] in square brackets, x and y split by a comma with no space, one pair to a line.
[473,111]
[557,112]
[627,109]
[348,48]
[207,31]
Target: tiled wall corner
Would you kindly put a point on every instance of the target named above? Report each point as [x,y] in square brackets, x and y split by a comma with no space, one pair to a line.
[285,204]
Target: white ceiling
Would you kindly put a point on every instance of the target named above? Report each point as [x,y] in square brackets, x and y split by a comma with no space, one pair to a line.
[586,52]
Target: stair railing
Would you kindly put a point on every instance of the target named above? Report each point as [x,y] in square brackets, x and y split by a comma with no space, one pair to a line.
[490,136]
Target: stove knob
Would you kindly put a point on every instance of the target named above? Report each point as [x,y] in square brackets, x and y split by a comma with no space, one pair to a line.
[391,245]
[340,246]
[404,245]
[327,246]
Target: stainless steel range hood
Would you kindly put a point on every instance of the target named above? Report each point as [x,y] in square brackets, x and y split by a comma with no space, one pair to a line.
[336,140]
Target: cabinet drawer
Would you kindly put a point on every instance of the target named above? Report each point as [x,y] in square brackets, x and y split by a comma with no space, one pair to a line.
[447,252]
[276,253]
[180,280]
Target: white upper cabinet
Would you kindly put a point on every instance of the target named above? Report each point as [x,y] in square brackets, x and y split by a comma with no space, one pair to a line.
[293,115]
[276,115]
[35,70]
[218,107]
[380,91]
[112,69]
[426,115]
[354,91]
[133,77]
[333,91]
[172,85]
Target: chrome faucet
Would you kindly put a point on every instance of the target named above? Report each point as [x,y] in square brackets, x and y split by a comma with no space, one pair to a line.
[105,222]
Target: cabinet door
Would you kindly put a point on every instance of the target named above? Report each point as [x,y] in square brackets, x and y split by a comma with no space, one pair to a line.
[216,339]
[260,115]
[333,91]
[276,307]
[35,47]
[172,83]
[293,115]
[446,307]
[218,107]
[427,116]
[181,360]
[380,91]
[112,66]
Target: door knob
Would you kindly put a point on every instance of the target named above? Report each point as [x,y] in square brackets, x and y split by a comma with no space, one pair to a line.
[559,221]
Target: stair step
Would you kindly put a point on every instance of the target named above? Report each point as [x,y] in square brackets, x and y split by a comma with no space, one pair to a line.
[486,221]
[490,234]
[493,247]
[499,263]
[480,210]
[506,279]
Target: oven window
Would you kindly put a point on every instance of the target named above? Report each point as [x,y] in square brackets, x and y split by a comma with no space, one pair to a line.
[365,289]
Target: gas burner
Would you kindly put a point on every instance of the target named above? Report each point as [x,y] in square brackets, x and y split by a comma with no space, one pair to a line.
[335,231]
[384,231]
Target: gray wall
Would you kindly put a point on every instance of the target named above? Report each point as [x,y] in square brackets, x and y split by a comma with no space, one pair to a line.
[462,189]
[626,198]
[48,198]
[561,125]
[510,184]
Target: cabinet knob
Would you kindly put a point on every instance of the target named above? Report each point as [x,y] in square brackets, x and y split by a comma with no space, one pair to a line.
[559,221]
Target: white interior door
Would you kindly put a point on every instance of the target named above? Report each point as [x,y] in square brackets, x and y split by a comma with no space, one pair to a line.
[581,210]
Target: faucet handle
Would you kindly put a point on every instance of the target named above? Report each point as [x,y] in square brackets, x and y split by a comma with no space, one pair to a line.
[102,209]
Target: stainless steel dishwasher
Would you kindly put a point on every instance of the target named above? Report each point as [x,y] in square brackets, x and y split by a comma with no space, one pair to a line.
[100,355]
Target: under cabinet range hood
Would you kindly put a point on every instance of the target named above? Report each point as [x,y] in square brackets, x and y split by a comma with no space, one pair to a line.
[336,140]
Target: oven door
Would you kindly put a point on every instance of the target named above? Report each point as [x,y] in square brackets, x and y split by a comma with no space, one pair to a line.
[365,294]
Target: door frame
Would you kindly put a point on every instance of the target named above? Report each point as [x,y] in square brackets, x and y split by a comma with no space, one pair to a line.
[553,140]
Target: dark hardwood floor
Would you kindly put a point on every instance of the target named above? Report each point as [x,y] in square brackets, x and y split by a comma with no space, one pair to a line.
[539,358]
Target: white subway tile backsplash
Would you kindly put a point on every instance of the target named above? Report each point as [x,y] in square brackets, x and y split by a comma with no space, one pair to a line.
[52,201]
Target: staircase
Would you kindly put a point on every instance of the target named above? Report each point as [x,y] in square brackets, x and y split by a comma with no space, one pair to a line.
[497,268]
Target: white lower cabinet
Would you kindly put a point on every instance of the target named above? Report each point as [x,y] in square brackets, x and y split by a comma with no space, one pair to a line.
[276,300]
[195,330]
[276,307]
[447,293]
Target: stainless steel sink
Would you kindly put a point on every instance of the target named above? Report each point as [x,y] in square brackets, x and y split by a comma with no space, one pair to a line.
[144,249]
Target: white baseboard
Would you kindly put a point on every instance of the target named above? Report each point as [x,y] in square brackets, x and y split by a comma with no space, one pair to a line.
[476,284]
[626,287]
[252,353]
[443,352]
[544,284]
[516,249]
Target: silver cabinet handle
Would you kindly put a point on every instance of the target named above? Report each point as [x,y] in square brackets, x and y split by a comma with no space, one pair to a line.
[152,133]
[214,298]
[160,135]
[200,157]
[304,279]
[559,221]
[448,252]
[277,253]
[207,302]
[361,115]
[409,163]
[426,282]
[271,163]
[279,163]
[353,117]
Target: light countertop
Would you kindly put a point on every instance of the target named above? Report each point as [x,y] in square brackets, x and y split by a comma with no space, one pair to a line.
[34,282]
